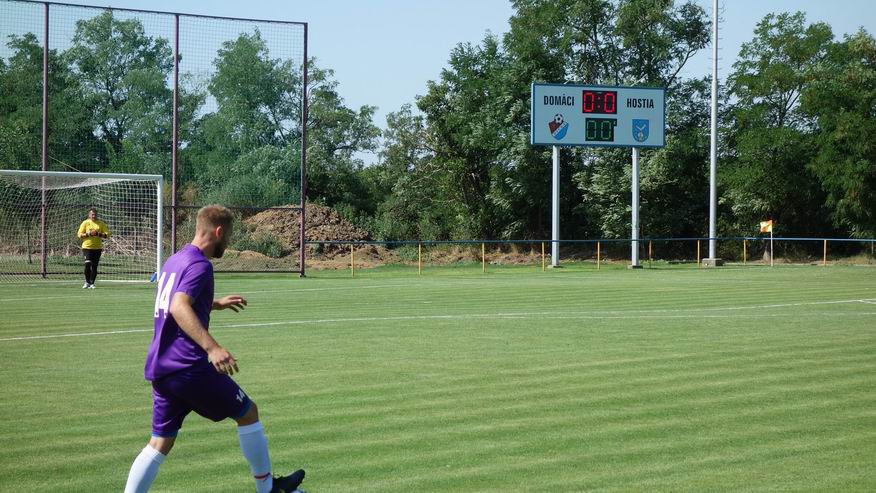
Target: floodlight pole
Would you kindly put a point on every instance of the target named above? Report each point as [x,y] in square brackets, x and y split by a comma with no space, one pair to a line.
[634,237]
[555,209]
[713,165]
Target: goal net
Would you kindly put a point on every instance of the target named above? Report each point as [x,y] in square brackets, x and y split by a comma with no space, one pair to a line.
[40,214]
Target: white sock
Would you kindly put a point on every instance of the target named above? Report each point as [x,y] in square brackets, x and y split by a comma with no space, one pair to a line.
[254,446]
[143,470]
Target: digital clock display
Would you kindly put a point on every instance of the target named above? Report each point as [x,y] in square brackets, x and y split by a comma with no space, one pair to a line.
[600,129]
[599,102]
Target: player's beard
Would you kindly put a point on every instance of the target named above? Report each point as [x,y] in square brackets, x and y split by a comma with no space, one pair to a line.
[219,250]
[220,247]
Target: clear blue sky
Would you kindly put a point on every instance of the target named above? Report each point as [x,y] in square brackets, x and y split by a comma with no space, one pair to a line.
[384,51]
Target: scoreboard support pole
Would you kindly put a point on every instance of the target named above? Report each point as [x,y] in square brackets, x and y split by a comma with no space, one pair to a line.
[634,236]
[555,209]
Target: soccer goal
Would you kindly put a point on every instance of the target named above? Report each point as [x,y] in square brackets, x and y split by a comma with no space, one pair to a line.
[40,214]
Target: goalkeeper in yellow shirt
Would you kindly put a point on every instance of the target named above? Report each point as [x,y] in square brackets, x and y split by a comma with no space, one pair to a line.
[92,232]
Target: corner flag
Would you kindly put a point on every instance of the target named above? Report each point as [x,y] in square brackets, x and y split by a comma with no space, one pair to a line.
[767,227]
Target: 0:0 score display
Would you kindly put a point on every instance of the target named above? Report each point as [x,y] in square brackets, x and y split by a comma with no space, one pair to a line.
[604,102]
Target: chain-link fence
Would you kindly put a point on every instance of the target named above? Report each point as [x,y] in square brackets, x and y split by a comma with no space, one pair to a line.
[215,105]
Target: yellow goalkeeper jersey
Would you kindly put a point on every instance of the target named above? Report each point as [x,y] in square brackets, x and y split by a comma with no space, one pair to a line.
[93,242]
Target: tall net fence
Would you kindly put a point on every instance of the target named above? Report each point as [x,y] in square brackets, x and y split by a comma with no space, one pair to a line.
[214,105]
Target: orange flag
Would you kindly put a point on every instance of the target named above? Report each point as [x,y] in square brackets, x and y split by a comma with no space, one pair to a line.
[766,226]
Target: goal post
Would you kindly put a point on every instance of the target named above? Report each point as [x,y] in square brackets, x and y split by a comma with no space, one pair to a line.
[40,214]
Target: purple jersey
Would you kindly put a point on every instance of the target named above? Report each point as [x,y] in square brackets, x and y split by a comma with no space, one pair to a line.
[187,271]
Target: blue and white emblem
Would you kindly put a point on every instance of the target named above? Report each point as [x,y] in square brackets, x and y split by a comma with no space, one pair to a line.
[640,130]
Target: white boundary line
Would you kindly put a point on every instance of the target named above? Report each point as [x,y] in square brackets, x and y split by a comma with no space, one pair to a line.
[591,315]
[304,290]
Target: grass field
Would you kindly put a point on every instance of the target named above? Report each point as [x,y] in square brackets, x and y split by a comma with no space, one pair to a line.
[670,379]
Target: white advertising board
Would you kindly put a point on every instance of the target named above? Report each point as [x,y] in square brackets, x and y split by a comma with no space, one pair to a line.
[598,116]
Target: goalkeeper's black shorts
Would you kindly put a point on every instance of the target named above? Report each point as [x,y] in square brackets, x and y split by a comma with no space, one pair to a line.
[92,255]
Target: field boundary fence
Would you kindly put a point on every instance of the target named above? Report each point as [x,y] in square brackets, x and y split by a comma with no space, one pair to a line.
[656,252]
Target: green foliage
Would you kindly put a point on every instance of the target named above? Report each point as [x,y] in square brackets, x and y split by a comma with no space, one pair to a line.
[842,99]
[478,114]
[770,140]
[795,127]
[411,193]
[256,96]
[674,179]
[21,110]
[123,73]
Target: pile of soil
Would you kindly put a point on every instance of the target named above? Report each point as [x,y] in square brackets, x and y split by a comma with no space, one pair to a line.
[322,224]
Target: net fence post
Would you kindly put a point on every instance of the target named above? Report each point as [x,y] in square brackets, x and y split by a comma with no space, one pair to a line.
[175,136]
[45,138]
[303,167]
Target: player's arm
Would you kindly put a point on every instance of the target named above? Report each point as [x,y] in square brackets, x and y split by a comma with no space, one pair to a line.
[187,319]
[82,233]
[104,230]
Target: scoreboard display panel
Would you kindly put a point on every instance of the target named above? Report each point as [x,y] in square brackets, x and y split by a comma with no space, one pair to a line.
[598,116]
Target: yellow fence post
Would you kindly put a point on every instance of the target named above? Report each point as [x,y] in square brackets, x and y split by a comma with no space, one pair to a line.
[352,262]
[419,258]
[698,253]
[598,254]
[542,257]
[483,258]
[824,262]
[744,250]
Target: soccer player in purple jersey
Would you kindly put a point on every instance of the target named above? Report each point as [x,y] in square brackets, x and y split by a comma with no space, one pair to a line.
[189,370]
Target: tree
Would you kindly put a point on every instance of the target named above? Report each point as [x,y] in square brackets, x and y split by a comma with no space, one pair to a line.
[336,135]
[478,113]
[257,129]
[841,97]
[21,110]
[406,186]
[675,182]
[626,42]
[123,73]
[467,129]
[255,95]
[770,139]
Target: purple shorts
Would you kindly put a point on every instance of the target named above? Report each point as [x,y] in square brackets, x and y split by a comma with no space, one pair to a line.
[203,390]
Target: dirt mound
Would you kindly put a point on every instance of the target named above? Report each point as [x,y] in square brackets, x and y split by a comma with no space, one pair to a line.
[322,224]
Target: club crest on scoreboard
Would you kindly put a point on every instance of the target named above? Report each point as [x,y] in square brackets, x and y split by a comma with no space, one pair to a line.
[640,130]
[558,126]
